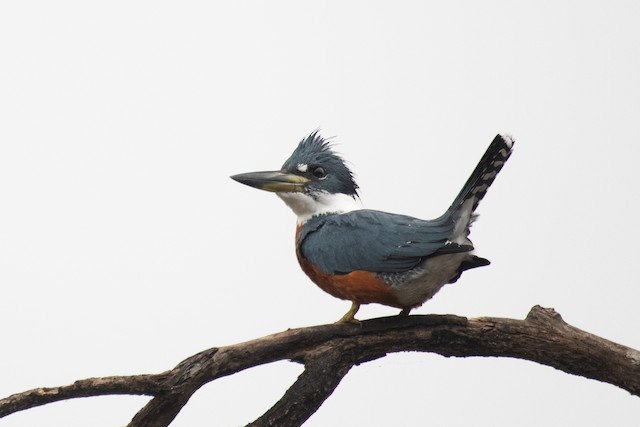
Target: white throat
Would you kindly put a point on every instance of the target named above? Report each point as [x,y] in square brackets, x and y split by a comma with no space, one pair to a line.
[306,206]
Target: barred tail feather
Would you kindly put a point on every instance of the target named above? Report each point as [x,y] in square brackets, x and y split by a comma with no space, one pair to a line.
[485,172]
[476,187]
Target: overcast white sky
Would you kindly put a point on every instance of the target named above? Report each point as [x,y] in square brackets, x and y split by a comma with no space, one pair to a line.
[125,247]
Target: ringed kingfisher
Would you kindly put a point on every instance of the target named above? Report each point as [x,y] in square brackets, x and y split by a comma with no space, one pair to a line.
[368,256]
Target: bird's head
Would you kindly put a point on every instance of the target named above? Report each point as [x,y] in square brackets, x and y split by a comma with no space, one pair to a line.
[314,180]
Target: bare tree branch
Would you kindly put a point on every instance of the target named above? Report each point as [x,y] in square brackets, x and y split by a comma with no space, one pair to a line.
[135,385]
[320,377]
[329,351]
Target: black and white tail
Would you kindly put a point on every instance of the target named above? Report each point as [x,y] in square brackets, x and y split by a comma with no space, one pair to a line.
[483,175]
[476,186]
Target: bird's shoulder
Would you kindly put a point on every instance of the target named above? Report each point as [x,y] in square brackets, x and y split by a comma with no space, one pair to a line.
[379,221]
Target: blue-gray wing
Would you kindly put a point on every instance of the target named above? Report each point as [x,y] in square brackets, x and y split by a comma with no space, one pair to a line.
[374,241]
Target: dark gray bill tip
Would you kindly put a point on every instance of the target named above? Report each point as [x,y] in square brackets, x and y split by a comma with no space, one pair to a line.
[275,181]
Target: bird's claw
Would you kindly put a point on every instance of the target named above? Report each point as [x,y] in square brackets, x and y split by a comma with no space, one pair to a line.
[349,316]
[405,312]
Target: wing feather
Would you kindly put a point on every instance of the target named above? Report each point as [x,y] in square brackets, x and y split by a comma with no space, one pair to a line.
[375,241]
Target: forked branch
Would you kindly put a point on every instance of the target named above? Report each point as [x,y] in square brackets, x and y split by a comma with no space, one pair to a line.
[329,351]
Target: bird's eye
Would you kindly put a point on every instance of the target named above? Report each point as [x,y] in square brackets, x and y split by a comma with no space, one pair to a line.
[319,172]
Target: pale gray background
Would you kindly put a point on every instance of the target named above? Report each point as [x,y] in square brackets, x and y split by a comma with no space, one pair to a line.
[125,247]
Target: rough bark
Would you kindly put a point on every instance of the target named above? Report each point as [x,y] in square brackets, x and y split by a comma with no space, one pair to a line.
[329,351]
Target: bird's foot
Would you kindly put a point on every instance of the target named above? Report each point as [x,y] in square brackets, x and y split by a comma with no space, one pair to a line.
[405,312]
[349,316]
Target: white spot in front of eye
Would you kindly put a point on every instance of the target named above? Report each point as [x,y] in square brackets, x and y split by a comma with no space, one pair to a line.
[302,167]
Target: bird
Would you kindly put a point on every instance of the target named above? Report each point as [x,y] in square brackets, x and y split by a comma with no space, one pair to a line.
[369,256]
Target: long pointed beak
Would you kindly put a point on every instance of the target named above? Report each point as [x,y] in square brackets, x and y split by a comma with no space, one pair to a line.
[275,181]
